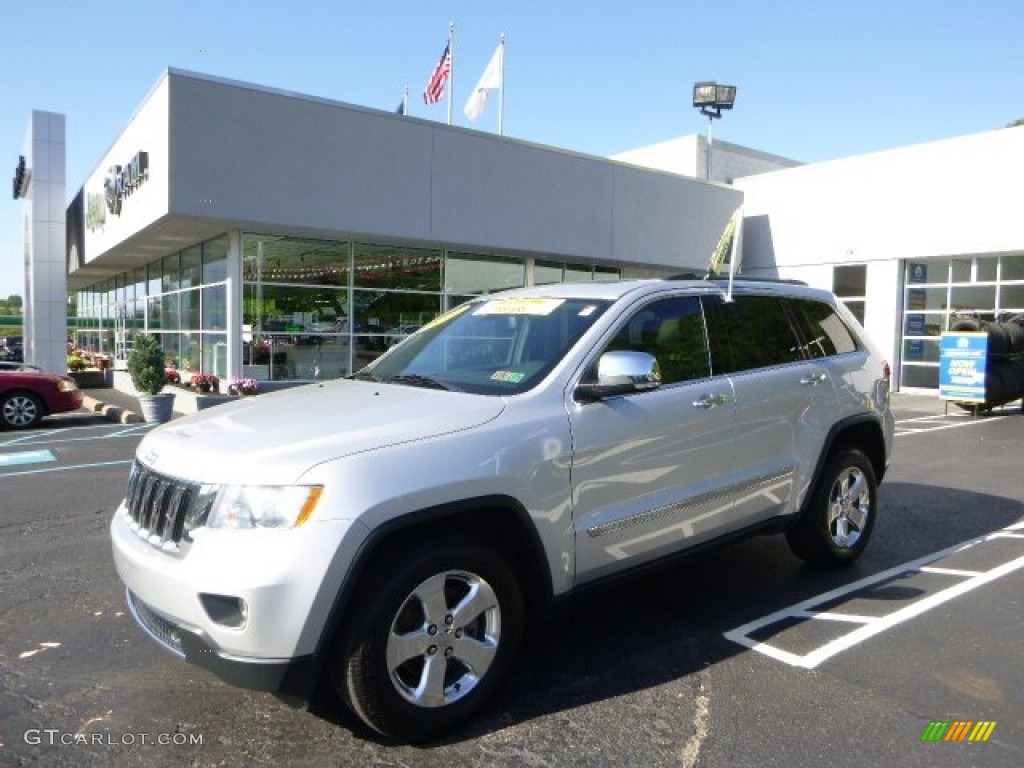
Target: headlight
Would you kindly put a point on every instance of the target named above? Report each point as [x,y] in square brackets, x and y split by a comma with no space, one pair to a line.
[246,507]
[65,385]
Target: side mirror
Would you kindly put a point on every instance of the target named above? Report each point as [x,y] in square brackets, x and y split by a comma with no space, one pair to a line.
[621,373]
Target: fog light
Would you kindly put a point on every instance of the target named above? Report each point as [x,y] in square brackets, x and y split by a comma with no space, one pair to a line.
[225,610]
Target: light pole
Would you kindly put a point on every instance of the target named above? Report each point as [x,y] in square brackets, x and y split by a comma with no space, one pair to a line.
[712,98]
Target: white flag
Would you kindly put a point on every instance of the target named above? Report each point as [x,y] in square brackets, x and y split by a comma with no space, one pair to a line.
[489,80]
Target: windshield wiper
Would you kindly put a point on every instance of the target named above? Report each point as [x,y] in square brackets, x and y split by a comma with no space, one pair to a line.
[364,376]
[417,380]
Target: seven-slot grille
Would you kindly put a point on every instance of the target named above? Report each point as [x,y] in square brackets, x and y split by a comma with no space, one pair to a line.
[158,504]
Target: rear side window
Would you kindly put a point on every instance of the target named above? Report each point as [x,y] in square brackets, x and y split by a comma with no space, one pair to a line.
[824,333]
[750,332]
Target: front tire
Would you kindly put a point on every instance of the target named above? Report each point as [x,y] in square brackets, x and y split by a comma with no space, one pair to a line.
[837,522]
[433,633]
[20,410]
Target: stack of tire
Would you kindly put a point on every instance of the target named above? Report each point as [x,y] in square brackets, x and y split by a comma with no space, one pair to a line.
[1004,367]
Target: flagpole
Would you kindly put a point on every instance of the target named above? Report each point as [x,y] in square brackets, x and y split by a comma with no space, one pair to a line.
[451,67]
[501,95]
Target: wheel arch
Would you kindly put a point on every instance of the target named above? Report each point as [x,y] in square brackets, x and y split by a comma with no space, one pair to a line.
[862,432]
[497,521]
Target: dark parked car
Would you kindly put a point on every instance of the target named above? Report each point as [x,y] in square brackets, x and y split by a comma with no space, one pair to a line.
[27,396]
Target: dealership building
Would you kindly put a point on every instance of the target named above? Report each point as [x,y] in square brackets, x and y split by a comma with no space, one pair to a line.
[285,237]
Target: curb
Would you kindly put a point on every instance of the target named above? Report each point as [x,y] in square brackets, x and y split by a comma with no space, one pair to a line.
[112,413]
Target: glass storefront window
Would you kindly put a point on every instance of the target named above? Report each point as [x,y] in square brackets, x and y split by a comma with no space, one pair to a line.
[577,273]
[171,275]
[396,268]
[154,281]
[924,376]
[547,272]
[919,272]
[298,261]
[1011,297]
[190,310]
[850,281]
[170,311]
[191,260]
[926,298]
[921,350]
[214,308]
[392,311]
[472,273]
[215,260]
[972,297]
[171,344]
[1012,268]
[961,272]
[987,268]
[924,324]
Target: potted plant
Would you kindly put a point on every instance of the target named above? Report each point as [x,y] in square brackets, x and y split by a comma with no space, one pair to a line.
[149,374]
[243,387]
[206,383]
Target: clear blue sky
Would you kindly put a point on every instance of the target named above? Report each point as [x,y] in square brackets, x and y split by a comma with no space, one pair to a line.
[817,79]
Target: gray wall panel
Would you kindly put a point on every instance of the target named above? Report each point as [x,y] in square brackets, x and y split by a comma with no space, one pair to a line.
[265,157]
[252,157]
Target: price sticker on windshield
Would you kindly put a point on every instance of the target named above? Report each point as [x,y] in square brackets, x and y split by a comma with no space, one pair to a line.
[541,307]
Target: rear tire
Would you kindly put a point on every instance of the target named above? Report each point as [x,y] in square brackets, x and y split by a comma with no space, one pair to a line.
[840,514]
[432,635]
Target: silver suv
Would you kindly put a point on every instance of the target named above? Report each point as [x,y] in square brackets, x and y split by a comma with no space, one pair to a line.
[389,535]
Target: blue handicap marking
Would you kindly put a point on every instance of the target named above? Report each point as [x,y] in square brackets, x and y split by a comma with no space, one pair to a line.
[25,457]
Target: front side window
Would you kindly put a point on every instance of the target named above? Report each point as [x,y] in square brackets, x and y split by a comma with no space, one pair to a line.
[489,347]
[672,330]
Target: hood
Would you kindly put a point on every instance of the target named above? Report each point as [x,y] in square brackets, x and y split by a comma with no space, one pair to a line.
[276,437]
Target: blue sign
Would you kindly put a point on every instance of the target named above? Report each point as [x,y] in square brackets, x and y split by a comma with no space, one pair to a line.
[962,365]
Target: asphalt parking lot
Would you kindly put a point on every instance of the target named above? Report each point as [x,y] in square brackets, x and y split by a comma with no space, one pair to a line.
[743,657]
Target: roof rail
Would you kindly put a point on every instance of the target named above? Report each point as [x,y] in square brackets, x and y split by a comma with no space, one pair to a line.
[742,278]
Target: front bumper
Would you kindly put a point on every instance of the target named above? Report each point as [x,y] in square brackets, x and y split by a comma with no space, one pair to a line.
[295,678]
[283,581]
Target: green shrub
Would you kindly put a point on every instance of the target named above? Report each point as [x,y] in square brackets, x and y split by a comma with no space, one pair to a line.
[146,365]
[76,363]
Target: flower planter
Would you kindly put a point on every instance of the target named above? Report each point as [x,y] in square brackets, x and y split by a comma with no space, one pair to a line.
[157,409]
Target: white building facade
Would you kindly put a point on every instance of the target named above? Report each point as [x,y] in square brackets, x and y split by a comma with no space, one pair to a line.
[909,237]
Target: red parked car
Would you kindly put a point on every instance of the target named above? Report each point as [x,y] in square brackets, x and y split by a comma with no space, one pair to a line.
[27,396]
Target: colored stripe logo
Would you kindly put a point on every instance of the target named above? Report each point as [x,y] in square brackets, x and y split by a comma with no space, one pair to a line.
[958,730]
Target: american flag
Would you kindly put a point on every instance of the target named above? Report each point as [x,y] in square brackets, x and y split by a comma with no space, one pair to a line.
[435,87]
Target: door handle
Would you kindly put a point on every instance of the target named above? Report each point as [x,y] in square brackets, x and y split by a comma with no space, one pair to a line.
[709,401]
[814,379]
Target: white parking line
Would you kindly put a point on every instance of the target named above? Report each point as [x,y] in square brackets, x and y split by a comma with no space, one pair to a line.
[869,626]
[67,468]
[917,429]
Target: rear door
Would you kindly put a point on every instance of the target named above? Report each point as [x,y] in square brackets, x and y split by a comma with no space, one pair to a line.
[785,403]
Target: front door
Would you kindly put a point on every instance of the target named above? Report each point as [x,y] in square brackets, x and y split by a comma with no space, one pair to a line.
[651,470]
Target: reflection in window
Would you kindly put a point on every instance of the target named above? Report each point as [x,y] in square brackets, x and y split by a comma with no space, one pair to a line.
[672,330]
[471,273]
[397,268]
[299,261]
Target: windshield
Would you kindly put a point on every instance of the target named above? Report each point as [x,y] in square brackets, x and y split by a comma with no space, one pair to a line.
[490,346]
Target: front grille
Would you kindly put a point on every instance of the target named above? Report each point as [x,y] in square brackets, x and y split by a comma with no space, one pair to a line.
[158,504]
[155,625]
